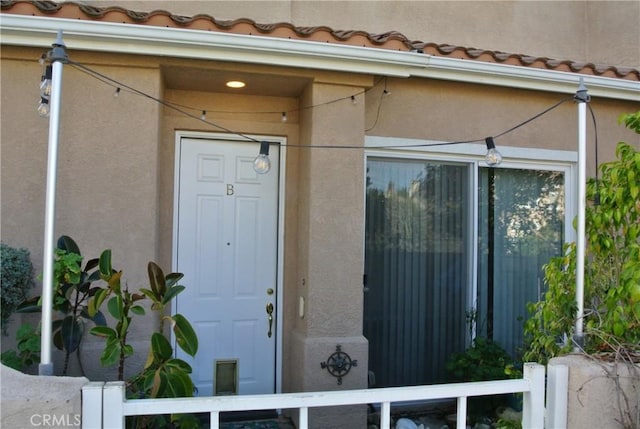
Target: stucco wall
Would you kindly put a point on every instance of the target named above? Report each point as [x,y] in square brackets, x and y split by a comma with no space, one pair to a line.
[37,401]
[448,111]
[107,191]
[601,394]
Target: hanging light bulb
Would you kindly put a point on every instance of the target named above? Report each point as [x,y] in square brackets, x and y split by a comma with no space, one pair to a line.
[203,117]
[45,85]
[43,108]
[493,157]
[261,164]
[116,93]
[353,99]
[284,117]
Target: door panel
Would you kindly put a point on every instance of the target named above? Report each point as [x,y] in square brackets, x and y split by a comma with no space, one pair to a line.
[227,250]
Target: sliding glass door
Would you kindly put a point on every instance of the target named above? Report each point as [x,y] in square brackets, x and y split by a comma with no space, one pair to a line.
[417,257]
[521,226]
[447,243]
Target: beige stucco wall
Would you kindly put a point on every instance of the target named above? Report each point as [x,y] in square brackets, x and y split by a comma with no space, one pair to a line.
[601,394]
[448,111]
[602,32]
[107,172]
[38,401]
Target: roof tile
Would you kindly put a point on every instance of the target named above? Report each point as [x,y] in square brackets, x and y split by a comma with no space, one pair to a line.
[389,40]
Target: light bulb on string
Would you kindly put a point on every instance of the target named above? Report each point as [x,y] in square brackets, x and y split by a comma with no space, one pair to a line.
[43,107]
[261,164]
[45,84]
[116,93]
[203,116]
[353,99]
[284,117]
[493,157]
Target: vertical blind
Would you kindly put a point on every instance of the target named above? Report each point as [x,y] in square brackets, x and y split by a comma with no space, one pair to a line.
[416,263]
[418,254]
[521,225]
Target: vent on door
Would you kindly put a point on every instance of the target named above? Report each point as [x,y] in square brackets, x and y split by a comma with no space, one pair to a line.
[225,379]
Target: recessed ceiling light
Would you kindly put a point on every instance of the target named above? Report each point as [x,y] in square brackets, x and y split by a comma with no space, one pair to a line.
[235,84]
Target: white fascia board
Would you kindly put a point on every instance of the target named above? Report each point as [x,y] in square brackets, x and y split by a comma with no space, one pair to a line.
[529,78]
[23,30]
[198,44]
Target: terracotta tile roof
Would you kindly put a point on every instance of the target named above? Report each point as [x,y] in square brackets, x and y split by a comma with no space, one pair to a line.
[390,40]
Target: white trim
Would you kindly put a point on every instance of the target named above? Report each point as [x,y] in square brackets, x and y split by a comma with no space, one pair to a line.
[466,151]
[281,141]
[474,225]
[512,157]
[24,30]
[472,155]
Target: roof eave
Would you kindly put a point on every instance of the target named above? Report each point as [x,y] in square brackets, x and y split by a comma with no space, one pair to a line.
[36,31]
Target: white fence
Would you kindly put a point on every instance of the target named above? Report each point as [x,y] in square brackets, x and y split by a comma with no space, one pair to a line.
[104,404]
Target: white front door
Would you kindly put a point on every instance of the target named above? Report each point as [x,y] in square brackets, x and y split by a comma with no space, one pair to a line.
[226,238]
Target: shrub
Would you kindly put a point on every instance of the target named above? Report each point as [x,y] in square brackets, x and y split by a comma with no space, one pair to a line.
[612,269]
[16,280]
[28,349]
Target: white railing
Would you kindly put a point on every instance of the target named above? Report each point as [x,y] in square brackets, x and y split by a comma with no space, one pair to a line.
[104,404]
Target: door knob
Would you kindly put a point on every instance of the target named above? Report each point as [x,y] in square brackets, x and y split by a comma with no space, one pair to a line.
[270,318]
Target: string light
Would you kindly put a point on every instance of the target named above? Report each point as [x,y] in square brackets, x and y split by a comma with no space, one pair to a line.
[261,164]
[493,157]
[353,99]
[116,93]
[43,107]
[45,84]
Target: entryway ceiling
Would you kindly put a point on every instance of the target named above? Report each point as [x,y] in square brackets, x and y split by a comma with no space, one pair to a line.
[200,79]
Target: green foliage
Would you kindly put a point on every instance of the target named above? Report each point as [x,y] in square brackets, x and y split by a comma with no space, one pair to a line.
[120,305]
[16,280]
[612,268]
[28,349]
[485,360]
[72,291]
[163,376]
[631,121]
[508,424]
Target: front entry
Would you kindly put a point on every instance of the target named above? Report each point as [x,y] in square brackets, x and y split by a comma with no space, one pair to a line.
[226,246]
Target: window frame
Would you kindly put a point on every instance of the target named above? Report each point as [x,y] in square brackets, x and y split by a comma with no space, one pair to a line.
[472,155]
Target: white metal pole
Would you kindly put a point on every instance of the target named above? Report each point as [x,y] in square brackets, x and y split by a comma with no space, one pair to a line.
[582,98]
[57,57]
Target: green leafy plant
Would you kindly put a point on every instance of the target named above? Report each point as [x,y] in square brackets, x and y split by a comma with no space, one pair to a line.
[163,376]
[73,287]
[612,269]
[16,280]
[28,349]
[508,424]
[121,305]
[485,360]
